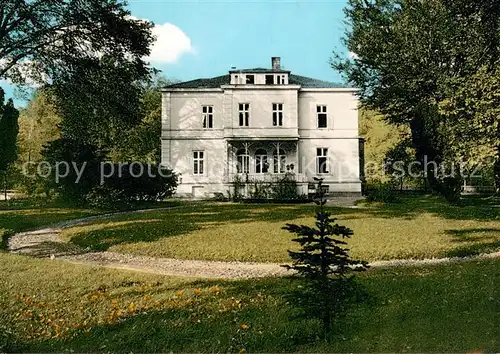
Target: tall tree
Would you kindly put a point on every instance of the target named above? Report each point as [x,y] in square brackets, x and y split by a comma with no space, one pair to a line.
[406,53]
[100,101]
[142,142]
[44,39]
[39,124]
[8,136]
[90,51]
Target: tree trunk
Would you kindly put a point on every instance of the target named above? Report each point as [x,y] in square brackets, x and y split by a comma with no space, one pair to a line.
[5,184]
[496,171]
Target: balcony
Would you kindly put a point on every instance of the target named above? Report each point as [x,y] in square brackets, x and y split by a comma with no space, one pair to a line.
[266,177]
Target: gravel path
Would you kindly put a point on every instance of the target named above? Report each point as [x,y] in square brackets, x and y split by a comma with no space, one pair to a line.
[46,243]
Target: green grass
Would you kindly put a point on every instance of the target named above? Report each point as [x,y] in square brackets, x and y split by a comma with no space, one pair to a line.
[54,306]
[27,214]
[418,227]
[21,215]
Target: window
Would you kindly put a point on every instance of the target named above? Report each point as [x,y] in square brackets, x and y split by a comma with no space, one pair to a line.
[269,79]
[261,164]
[279,161]
[322,116]
[322,160]
[250,79]
[198,162]
[277,114]
[208,116]
[281,79]
[244,110]
[243,161]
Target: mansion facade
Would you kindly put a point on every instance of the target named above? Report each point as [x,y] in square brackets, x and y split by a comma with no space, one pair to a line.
[259,125]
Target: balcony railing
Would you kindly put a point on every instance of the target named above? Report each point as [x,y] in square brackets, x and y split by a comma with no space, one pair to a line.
[266,177]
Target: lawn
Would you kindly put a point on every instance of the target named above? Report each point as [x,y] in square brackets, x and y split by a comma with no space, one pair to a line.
[48,306]
[417,227]
[20,215]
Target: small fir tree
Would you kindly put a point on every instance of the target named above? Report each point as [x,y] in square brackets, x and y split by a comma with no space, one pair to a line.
[324,262]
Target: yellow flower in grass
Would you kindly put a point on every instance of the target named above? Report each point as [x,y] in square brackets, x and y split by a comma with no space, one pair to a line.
[215,289]
[244,326]
[131,307]
[197,291]
[180,293]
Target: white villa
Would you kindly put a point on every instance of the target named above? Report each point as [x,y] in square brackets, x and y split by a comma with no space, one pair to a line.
[260,124]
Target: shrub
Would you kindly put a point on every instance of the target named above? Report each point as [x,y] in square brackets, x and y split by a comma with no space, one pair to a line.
[141,182]
[324,262]
[382,192]
[107,185]
[285,188]
[4,238]
[450,189]
[74,188]
[261,190]
[238,185]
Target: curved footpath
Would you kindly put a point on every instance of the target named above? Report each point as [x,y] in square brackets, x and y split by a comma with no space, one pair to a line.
[46,243]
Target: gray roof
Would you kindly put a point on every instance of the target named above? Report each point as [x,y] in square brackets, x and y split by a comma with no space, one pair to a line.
[258,71]
[214,82]
[309,82]
[217,82]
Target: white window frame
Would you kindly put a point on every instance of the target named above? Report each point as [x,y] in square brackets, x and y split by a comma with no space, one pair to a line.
[279,161]
[244,109]
[243,166]
[207,116]
[277,114]
[199,161]
[262,162]
[320,110]
[322,153]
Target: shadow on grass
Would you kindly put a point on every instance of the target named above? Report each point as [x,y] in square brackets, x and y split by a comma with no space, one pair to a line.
[408,207]
[47,249]
[260,321]
[479,241]
[188,218]
[155,225]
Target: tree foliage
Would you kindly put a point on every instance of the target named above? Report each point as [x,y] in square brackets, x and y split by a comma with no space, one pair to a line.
[46,39]
[142,141]
[9,129]
[380,138]
[324,262]
[474,102]
[89,180]
[39,124]
[408,53]
[99,101]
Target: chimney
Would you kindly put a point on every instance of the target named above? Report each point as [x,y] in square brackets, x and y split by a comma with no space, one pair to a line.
[276,63]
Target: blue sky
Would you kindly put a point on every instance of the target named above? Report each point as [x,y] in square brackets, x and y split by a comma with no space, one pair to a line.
[206,38]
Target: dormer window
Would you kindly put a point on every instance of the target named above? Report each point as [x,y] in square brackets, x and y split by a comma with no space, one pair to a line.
[281,79]
[269,79]
[250,79]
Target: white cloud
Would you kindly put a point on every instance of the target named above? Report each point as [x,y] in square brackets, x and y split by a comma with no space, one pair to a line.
[171,43]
